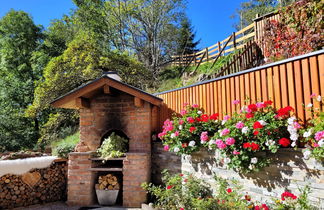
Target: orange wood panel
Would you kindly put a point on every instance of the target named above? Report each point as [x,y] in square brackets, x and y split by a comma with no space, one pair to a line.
[232,85]
[228,96]
[208,98]
[299,91]
[321,75]
[204,96]
[314,79]
[306,85]
[212,98]
[216,101]
[258,87]
[264,86]
[252,86]
[224,97]
[185,100]
[270,84]
[276,87]
[191,95]
[237,91]
[194,100]
[247,88]
[242,90]
[219,93]
[291,85]
[200,101]
[283,85]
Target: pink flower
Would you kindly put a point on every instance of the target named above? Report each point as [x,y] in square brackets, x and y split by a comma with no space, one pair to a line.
[297,125]
[221,145]
[313,95]
[227,117]
[239,125]
[166,147]
[315,145]
[319,135]
[160,135]
[176,133]
[219,141]
[183,112]
[225,131]
[185,104]
[260,105]
[190,120]
[181,122]
[235,102]
[230,141]
[204,136]
[236,152]
[195,106]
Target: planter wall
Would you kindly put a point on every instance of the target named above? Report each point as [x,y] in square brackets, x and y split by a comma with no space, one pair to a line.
[288,172]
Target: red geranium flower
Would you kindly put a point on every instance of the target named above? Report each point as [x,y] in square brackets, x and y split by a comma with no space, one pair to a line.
[284,112]
[253,107]
[257,125]
[255,146]
[181,209]
[192,129]
[255,133]
[267,103]
[180,174]
[284,142]
[249,115]
[169,187]
[184,145]
[229,190]
[204,118]
[214,116]
[288,195]
[246,145]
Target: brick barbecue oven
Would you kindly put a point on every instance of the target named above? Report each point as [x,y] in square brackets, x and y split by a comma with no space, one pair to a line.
[107,105]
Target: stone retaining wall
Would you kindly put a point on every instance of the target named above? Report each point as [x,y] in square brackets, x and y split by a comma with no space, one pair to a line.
[288,172]
[35,187]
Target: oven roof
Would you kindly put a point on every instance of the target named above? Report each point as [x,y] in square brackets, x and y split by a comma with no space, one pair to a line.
[90,89]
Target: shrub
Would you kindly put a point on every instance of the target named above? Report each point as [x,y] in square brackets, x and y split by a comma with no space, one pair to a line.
[63,147]
[187,133]
[256,129]
[113,146]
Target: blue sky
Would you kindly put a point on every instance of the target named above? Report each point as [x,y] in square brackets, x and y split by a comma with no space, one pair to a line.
[211,18]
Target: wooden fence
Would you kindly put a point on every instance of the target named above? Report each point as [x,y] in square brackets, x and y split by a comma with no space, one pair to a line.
[287,82]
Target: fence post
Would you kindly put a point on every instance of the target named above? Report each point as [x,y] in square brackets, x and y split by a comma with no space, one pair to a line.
[195,58]
[207,55]
[219,47]
[234,41]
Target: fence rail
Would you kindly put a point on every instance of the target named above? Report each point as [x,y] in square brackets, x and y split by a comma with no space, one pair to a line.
[288,82]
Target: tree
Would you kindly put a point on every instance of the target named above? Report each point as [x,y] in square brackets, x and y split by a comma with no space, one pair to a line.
[19,38]
[186,40]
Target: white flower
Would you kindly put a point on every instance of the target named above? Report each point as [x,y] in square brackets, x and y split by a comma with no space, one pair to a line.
[173,135]
[291,129]
[319,98]
[309,105]
[321,142]
[270,142]
[192,143]
[251,167]
[227,160]
[212,141]
[254,160]
[245,129]
[223,122]
[199,112]
[176,149]
[294,136]
[307,133]
[293,144]
[180,127]
[262,122]
[307,154]
[291,120]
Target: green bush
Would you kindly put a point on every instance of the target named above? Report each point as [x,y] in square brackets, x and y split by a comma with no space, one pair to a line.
[113,146]
[64,146]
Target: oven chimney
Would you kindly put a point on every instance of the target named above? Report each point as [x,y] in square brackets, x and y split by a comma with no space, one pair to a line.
[112,74]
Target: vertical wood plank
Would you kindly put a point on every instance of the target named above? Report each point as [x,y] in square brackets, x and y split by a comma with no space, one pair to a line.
[321,75]
[291,85]
[216,101]
[224,110]
[264,85]
[228,96]
[219,96]
[200,102]
[247,88]
[208,98]
[258,87]
[252,86]
[283,85]
[270,84]
[314,78]
[232,86]
[276,87]
[242,90]
[237,91]
[306,85]
[299,91]
[212,98]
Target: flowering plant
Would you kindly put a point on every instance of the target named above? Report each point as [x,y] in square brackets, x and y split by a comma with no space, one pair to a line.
[314,133]
[257,127]
[186,133]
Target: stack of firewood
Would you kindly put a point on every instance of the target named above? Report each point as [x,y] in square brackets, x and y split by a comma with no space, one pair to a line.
[107,182]
[35,187]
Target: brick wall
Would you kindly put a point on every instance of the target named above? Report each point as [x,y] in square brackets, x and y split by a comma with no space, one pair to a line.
[288,172]
[116,111]
[80,179]
[136,170]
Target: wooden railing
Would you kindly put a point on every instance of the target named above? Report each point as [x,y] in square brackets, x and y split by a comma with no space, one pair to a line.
[288,82]
[210,53]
